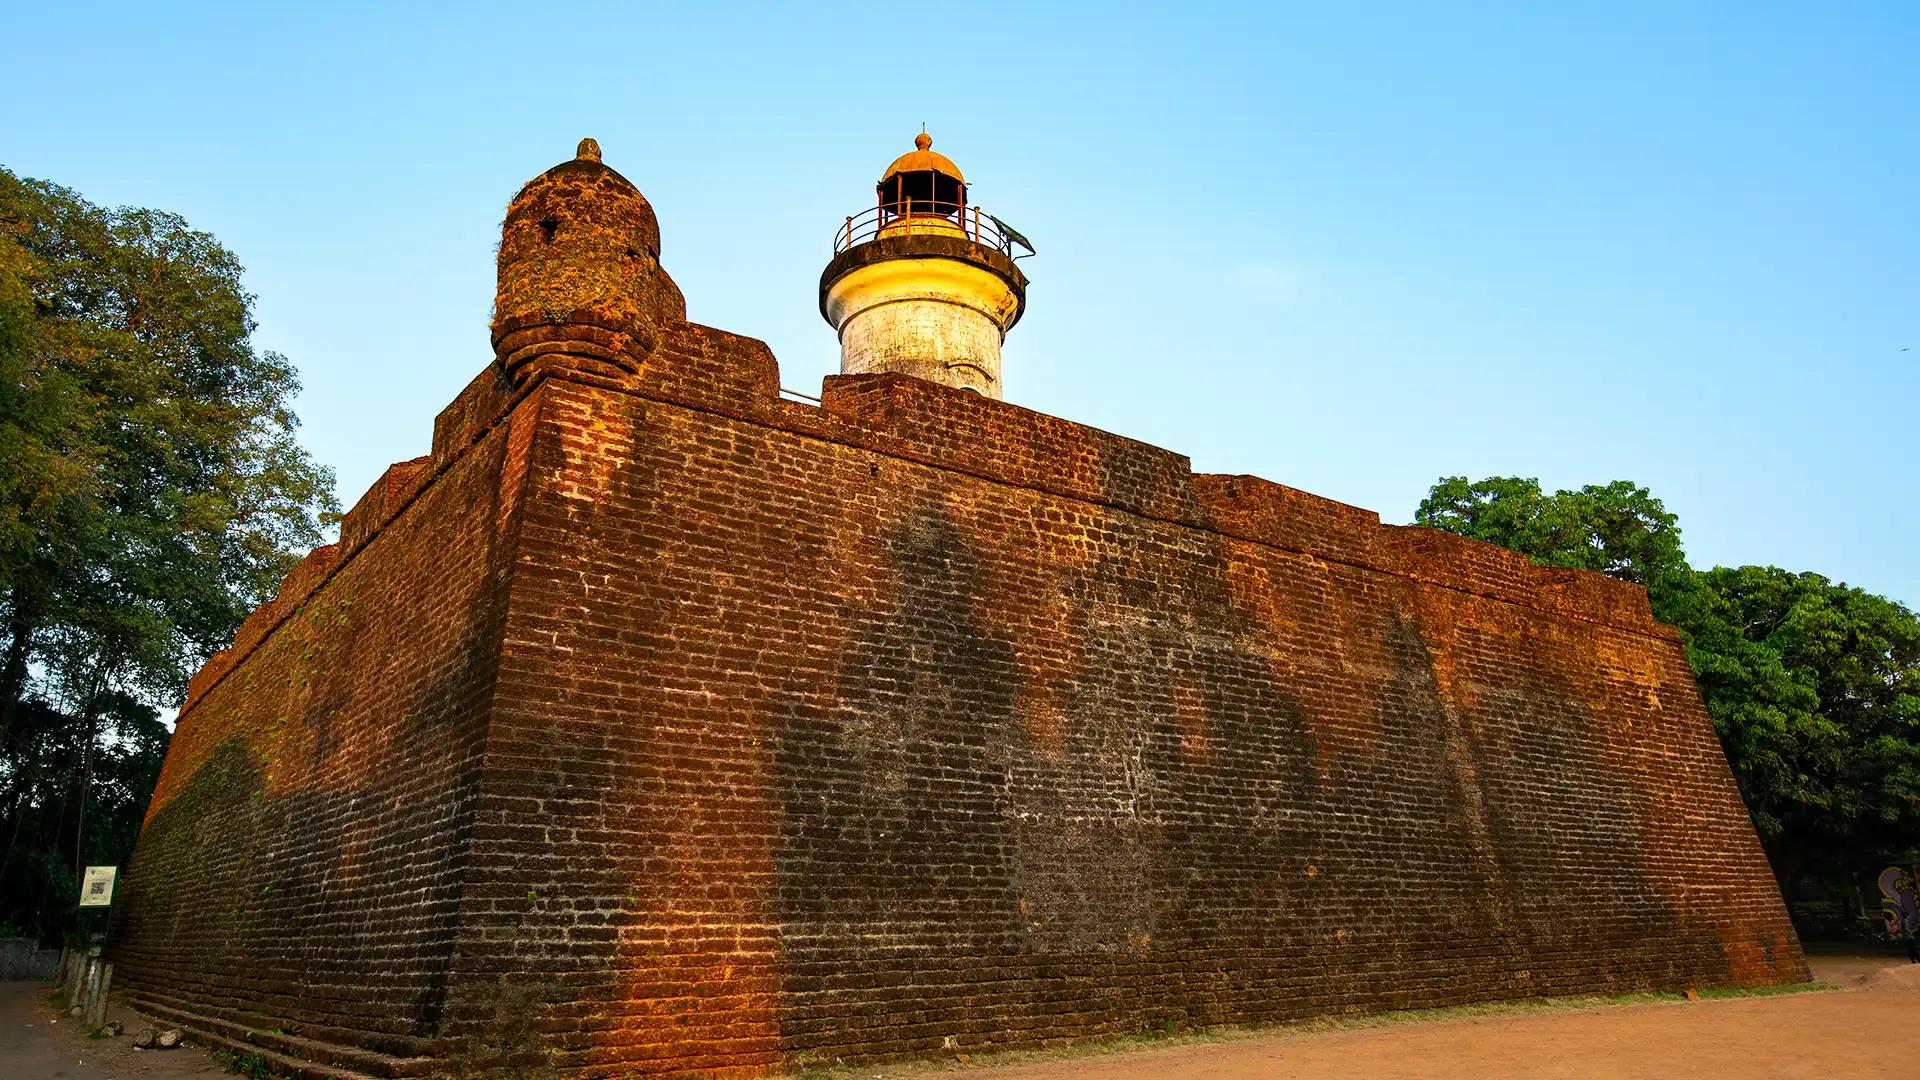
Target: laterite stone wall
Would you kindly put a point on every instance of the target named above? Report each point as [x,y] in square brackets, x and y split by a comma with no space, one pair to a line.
[302,857]
[680,730]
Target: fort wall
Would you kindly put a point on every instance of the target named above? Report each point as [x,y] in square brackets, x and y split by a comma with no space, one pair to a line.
[301,863]
[681,729]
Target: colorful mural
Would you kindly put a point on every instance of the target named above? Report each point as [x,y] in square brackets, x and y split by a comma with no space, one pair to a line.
[1899,906]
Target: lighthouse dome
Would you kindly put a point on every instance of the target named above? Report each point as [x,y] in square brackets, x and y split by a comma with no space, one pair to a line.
[922,158]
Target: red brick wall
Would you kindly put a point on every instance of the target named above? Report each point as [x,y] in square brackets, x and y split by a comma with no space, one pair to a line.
[303,853]
[835,733]
[842,732]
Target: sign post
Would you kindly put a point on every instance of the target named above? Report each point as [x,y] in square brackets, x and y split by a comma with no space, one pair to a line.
[91,974]
[96,888]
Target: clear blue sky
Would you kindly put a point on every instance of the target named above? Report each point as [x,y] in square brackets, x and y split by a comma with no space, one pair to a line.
[1349,251]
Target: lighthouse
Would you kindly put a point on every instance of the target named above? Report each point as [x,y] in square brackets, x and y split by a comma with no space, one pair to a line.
[923,283]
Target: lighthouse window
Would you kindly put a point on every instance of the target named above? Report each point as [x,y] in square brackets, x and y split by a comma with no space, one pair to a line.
[929,192]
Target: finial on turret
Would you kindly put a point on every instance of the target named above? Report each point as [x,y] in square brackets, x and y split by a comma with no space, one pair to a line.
[589,150]
[923,140]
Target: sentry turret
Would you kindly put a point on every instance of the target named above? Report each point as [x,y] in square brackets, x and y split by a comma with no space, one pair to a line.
[580,282]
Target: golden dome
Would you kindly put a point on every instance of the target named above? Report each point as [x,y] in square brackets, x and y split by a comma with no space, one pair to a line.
[922,159]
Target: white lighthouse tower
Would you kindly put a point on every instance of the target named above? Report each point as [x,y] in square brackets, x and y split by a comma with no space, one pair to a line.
[924,283]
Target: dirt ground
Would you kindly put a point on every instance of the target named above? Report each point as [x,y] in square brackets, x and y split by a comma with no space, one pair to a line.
[1856,1034]
[38,1042]
[1869,1028]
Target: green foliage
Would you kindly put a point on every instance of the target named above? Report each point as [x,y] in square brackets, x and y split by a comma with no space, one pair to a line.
[1814,687]
[156,492]
[245,1063]
[151,493]
[1619,529]
[38,888]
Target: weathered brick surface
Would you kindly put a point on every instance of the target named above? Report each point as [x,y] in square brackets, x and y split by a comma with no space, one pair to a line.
[304,850]
[654,725]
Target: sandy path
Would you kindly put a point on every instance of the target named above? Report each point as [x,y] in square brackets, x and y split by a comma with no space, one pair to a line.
[1869,1030]
[1857,1034]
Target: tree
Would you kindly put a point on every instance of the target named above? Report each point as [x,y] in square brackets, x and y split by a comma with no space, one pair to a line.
[151,488]
[43,803]
[1814,687]
[1619,529]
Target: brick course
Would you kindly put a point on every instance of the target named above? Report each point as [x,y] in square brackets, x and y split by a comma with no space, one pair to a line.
[654,725]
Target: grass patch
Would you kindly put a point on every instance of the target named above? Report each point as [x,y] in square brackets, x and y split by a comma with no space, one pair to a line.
[1166,1035]
[251,1066]
[1765,991]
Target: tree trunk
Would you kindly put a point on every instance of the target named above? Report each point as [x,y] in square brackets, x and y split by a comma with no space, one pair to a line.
[24,613]
[26,773]
[80,815]
[1787,860]
[89,725]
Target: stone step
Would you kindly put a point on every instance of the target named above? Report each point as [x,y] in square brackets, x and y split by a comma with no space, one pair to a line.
[298,1057]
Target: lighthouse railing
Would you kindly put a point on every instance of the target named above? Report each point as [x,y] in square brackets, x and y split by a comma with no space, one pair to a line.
[914,217]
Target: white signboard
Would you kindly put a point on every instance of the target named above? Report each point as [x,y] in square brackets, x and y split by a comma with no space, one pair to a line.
[96,889]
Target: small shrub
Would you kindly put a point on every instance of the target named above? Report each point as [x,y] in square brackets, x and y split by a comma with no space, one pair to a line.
[252,1066]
